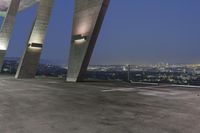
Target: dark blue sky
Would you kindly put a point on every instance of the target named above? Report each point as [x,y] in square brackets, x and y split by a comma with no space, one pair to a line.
[134,31]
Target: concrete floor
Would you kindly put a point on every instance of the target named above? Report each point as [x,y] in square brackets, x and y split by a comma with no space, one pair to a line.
[53,106]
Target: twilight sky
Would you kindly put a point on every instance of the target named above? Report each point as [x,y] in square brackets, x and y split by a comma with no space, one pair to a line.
[134,32]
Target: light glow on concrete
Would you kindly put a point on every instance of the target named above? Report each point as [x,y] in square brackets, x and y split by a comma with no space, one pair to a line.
[3,45]
[83,27]
[37,38]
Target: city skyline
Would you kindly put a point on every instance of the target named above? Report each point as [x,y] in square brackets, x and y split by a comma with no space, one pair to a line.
[134,32]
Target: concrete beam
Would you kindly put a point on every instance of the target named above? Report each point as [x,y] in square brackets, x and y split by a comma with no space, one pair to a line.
[7,28]
[88,18]
[31,56]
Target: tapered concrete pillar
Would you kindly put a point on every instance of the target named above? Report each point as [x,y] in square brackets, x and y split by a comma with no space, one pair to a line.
[88,18]
[7,28]
[30,59]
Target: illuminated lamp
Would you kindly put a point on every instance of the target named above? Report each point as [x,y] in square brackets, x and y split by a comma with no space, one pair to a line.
[79,38]
[35,45]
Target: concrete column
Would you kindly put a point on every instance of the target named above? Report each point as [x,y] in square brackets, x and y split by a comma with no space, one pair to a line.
[30,59]
[7,28]
[88,18]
